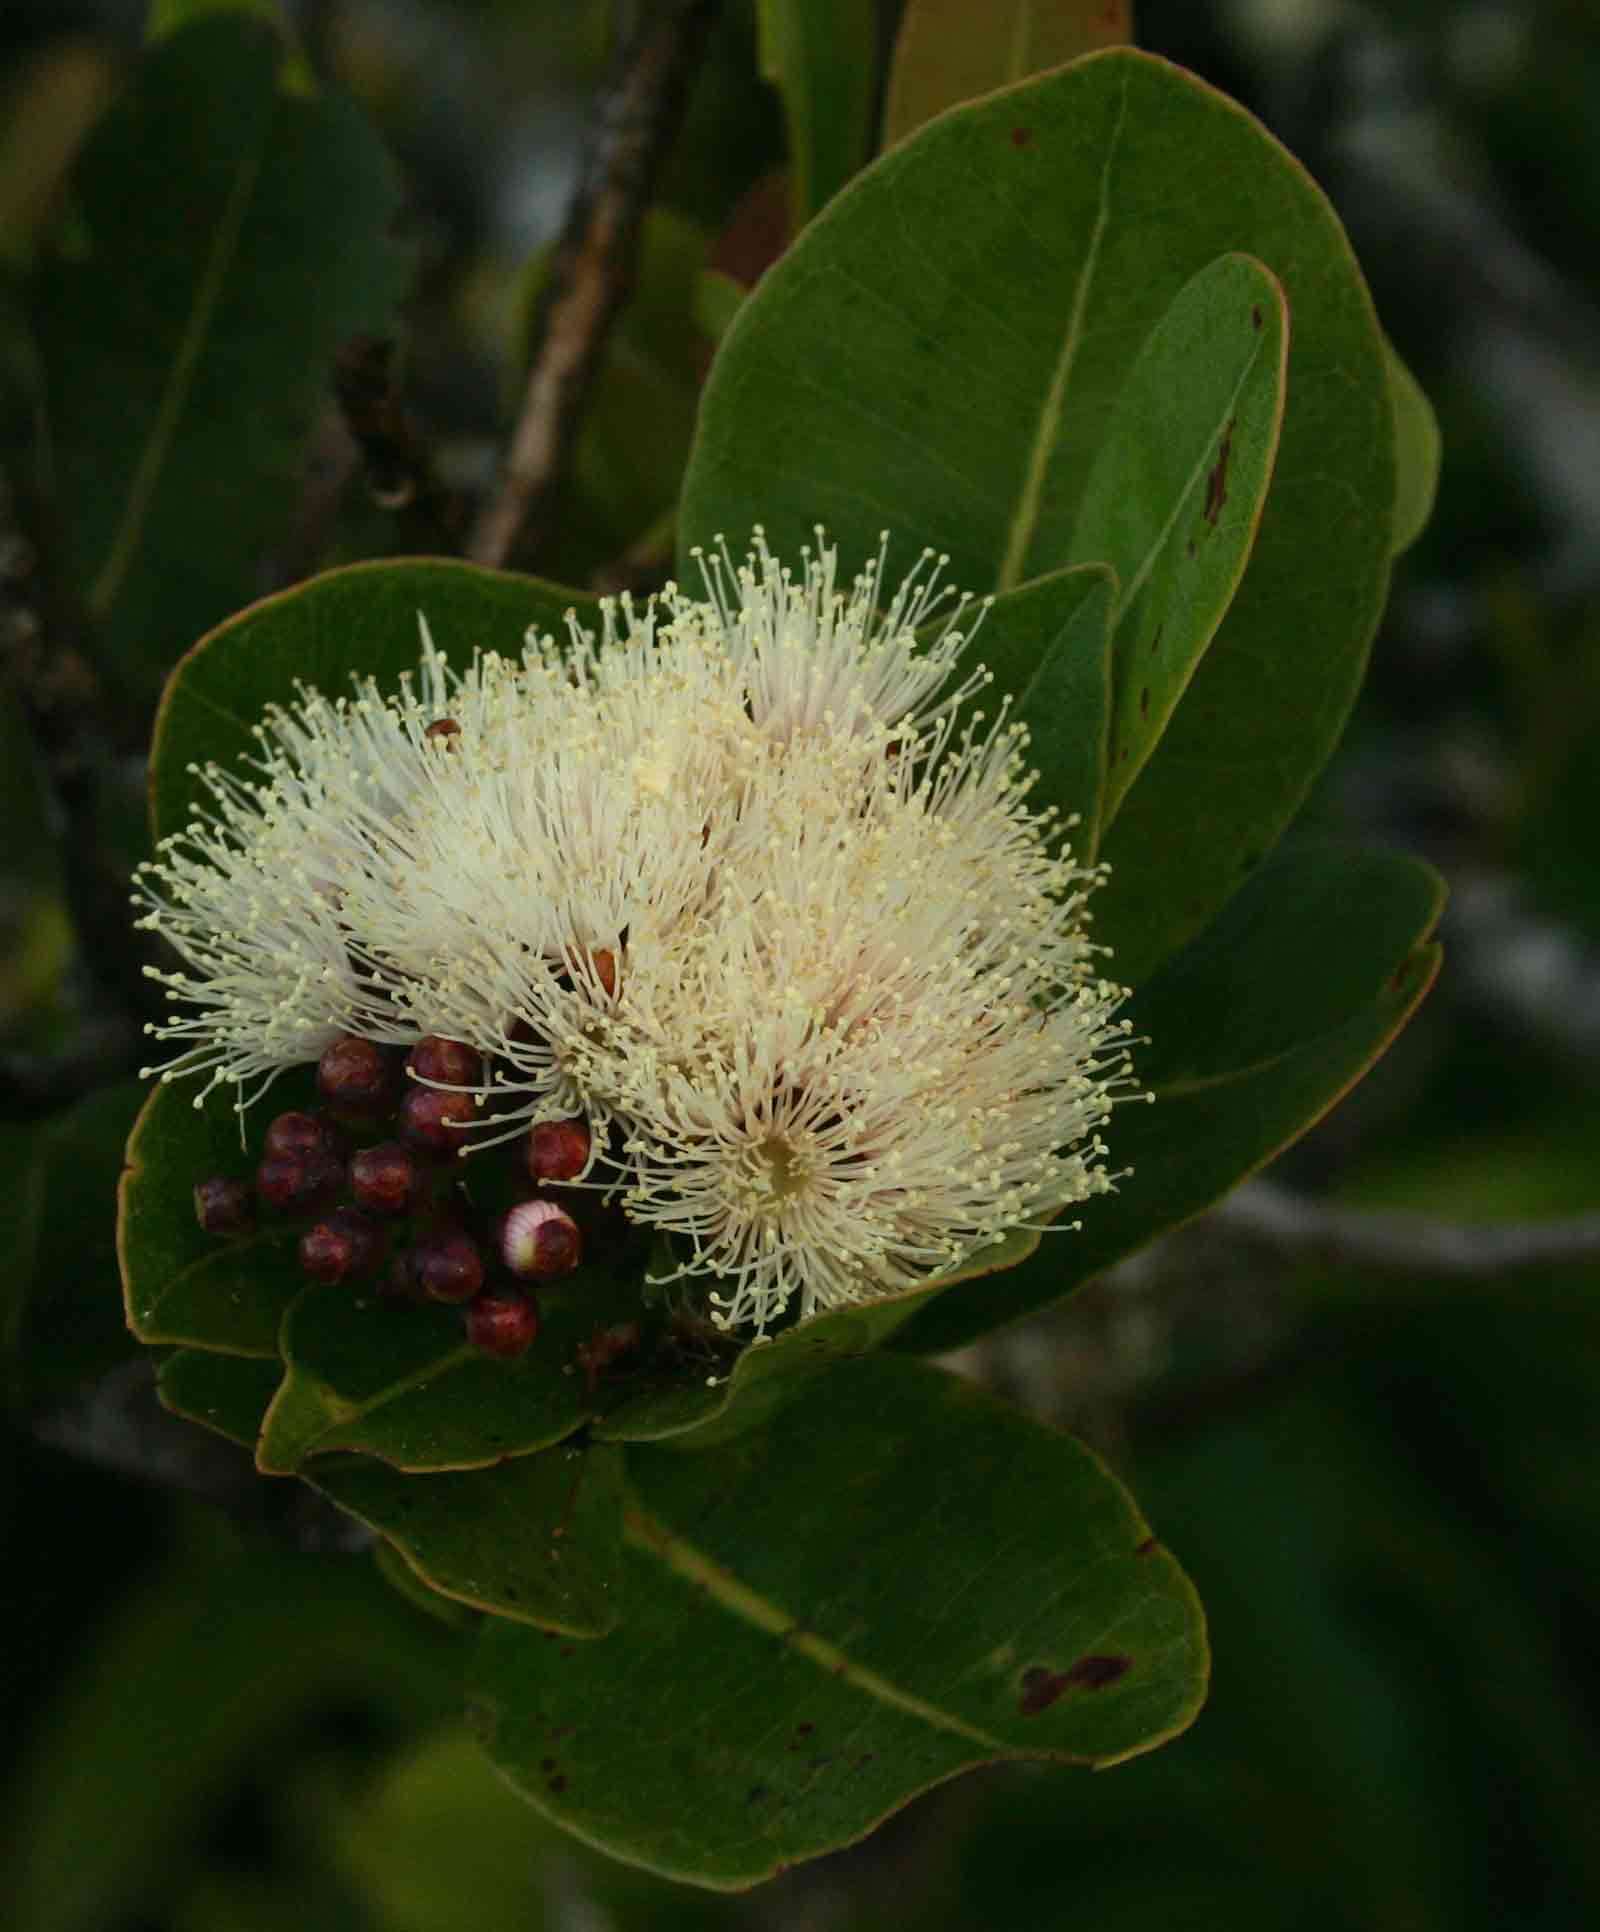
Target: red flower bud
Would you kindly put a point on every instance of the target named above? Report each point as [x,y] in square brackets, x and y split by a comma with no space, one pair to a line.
[432,1120]
[539,1241]
[356,1077]
[503,1322]
[451,1062]
[558,1150]
[447,1267]
[299,1134]
[342,1247]
[224,1206]
[383,1179]
[299,1183]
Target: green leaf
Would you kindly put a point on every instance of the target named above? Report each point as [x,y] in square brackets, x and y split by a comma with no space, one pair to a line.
[1176,493]
[361,620]
[960,396]
[225,1393]
[1417,450]
[180,1285]
[821,55]
[771,1373]
[405,1384]
[1253,1031]
[1049,644]
[867,1600]
[187,345]
[537,1539]
[59,1320]
[949,51]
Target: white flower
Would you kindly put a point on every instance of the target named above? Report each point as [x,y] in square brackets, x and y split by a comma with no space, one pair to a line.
[741,878]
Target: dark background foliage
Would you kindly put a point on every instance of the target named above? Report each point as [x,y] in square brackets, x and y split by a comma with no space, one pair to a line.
[1385,1489]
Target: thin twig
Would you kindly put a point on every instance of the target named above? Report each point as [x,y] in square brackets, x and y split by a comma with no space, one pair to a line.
[592,270]
[1266,1222]
[399,466]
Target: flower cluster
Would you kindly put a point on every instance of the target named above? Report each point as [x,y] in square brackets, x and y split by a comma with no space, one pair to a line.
[743,880]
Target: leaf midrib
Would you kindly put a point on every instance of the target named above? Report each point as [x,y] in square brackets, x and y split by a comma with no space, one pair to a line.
[648,1533]
[180,379]
[1025,518]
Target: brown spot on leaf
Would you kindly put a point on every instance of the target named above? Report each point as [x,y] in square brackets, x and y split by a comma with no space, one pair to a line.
[1095,1672]
[1255,317]
[804,1730]
[1041,1686]
[1217,478]
[558,1785]
[1144,702]
[1021,136]
[1148,1547]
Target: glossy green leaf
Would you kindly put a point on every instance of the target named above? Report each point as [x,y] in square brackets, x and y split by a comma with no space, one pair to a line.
[710,1407]
[949,51]
[180,1285]
[361,620]
[184,310]
[1253,1032]
[59,1320]
[1175,495]
[404,1384]
[1048,643]
[225,1393]
[821,55]
[959,396]
[535,1538]
[1417,451]
[868,1599]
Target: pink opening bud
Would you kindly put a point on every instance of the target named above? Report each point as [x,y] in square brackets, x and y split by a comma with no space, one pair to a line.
[383,1179]
[451,1062]
[558,1150]
[503,1322]
[224,1206]
[539,1241]
[432,1120]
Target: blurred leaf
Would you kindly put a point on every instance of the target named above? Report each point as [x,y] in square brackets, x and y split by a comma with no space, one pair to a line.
[1253,1031]
[361,620]
[960,398]
[187,346]
[949,51]
[444,1845]
[57,95]
[1175,495]
[821,55]
[195,1679]
[716,301]
[1417,452]
[800,1655]
[1049,645]
[61,1322]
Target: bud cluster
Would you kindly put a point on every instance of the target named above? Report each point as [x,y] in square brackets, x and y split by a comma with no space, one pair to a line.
[371,1172]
